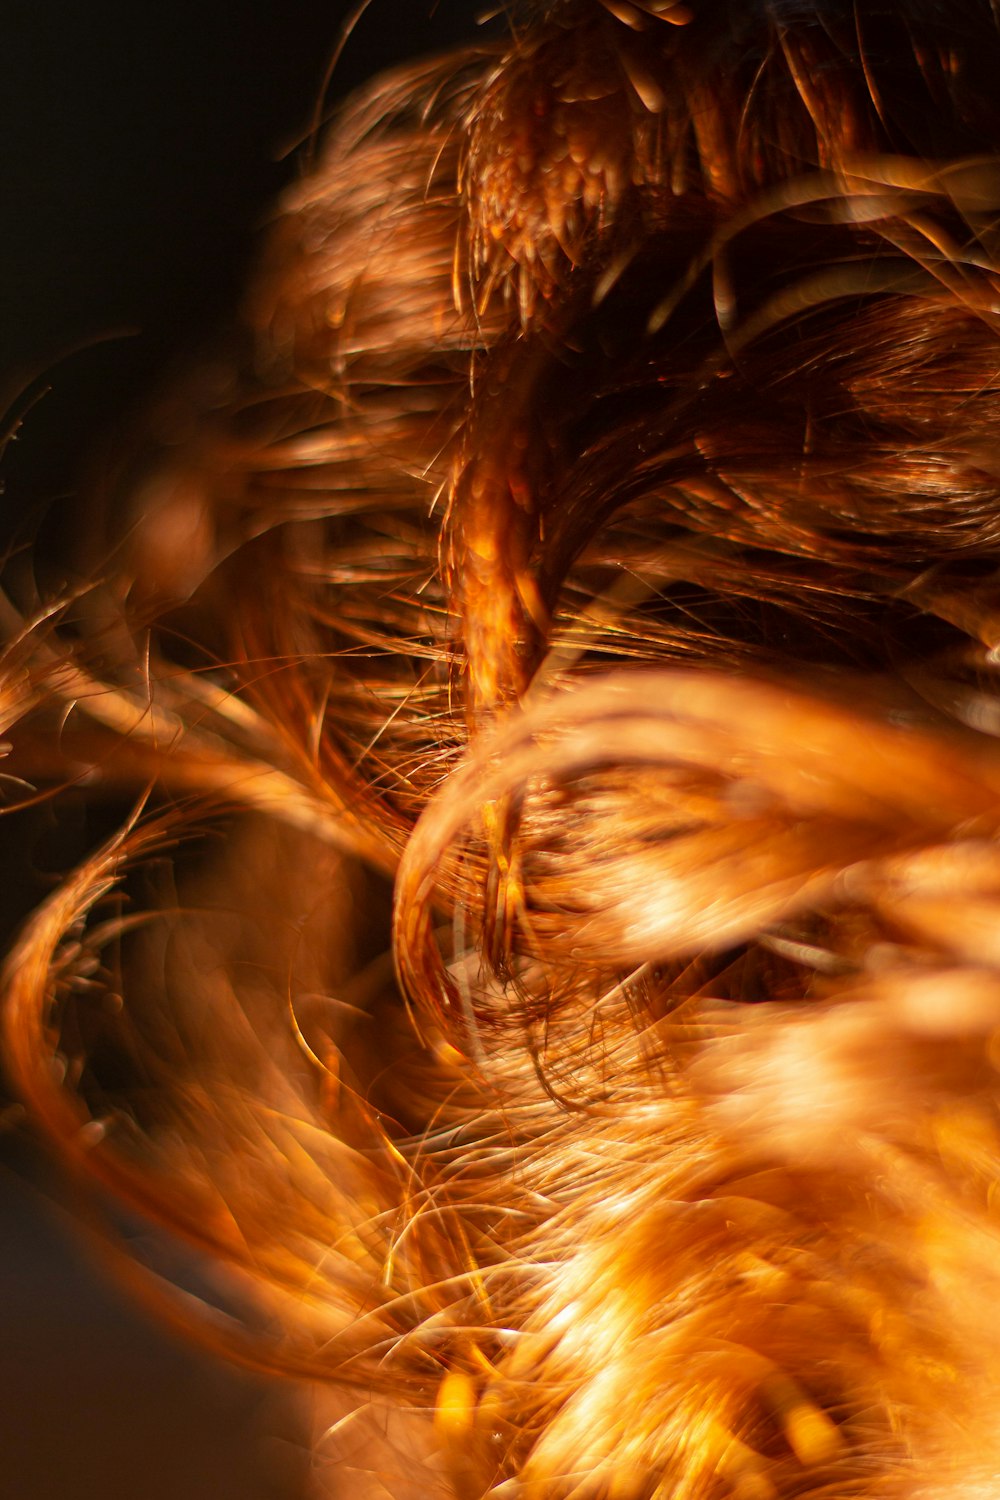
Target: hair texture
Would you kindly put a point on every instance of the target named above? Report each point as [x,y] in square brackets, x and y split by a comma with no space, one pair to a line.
[594,530]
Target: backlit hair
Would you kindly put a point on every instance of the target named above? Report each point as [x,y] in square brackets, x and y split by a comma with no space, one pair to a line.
[586,566]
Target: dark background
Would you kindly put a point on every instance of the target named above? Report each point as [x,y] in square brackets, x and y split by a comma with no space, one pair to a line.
[141,143]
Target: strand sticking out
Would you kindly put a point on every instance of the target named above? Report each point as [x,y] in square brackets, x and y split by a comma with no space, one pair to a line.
[583,580]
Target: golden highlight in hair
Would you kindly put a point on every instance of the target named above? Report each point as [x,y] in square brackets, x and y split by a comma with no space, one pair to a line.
[585,570]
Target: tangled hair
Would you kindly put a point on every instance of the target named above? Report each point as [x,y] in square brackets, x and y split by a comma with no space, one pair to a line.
[595,528]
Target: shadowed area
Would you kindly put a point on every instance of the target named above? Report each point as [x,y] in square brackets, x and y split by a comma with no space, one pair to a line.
[140,149]
[98,1404]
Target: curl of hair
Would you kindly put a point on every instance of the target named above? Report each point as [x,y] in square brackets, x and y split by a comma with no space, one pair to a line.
[595,530]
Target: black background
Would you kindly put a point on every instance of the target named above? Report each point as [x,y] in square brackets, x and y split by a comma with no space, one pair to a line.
[141,145]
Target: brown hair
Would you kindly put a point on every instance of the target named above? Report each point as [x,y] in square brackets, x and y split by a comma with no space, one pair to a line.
[598,535]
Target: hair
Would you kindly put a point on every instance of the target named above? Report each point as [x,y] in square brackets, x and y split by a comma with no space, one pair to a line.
[593,530]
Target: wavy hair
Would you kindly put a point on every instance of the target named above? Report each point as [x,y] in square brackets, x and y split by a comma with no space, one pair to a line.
[582,565]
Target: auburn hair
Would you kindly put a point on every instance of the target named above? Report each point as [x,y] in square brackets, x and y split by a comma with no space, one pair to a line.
[592,530]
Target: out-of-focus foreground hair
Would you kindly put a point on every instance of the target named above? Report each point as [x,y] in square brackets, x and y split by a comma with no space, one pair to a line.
[595,529]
